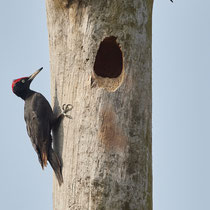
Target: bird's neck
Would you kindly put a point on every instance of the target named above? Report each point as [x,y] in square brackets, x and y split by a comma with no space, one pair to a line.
[27,94]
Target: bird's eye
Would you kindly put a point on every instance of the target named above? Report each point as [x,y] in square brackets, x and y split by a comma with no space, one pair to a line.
[23,81]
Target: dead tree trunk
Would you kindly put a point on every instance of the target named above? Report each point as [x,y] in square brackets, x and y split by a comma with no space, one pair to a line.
[100,58]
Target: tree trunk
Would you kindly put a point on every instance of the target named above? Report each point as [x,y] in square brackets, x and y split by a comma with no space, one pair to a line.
[100,58]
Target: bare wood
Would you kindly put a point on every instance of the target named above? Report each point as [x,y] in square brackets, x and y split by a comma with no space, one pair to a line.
[100,58]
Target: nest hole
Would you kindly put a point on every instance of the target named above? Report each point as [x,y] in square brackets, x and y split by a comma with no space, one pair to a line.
[109,61]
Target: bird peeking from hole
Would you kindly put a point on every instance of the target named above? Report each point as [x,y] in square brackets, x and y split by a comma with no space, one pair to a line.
[40,120]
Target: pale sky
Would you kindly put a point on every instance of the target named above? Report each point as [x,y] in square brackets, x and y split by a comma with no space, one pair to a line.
[181,104]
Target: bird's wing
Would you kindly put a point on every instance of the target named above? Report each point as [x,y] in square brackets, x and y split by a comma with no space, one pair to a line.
[38,114]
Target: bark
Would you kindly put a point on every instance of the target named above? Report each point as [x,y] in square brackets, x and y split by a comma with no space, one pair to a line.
[100,60]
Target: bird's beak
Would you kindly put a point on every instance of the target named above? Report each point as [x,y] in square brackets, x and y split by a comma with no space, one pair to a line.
[34,74]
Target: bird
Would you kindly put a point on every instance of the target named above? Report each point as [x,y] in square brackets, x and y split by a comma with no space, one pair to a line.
[40,121]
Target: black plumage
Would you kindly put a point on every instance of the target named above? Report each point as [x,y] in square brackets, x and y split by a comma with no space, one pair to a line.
[40,120]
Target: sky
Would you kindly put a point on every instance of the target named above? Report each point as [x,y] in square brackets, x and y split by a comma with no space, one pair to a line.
[181,101]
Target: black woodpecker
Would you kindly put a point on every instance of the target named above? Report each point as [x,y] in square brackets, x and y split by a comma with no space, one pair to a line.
[40,120]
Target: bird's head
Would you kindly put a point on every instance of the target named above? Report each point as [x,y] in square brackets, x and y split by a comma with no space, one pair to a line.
[21,86]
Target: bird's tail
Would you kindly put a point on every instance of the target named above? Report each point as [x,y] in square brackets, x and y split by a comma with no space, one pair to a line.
[56,165]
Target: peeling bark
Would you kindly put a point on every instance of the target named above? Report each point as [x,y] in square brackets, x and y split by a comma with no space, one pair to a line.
[100,59]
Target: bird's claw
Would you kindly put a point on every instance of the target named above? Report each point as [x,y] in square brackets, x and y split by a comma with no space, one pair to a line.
[67,108]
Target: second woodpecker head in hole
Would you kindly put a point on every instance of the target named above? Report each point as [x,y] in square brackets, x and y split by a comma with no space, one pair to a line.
[21,86]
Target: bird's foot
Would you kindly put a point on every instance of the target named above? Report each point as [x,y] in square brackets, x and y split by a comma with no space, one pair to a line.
[67,108]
